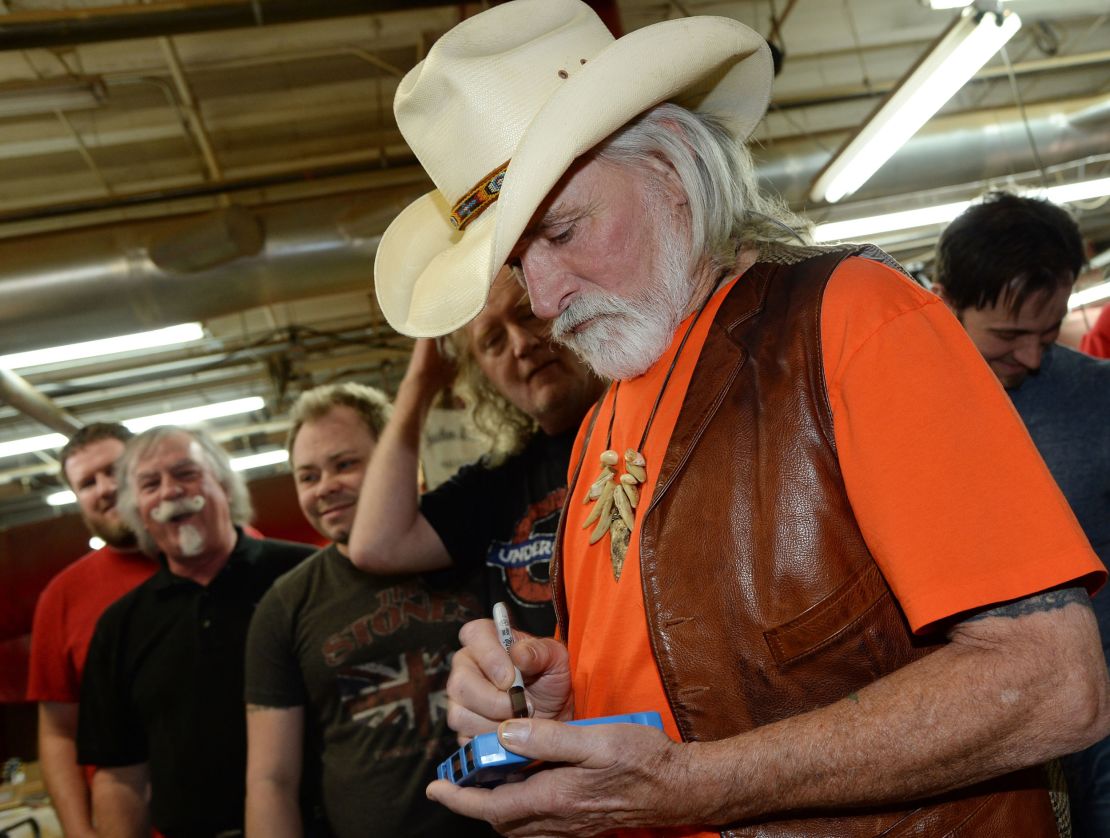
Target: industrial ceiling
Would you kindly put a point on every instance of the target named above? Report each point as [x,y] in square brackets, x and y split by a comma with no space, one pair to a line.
[233,162]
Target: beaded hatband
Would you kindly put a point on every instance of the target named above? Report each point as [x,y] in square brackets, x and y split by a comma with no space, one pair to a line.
[478,199]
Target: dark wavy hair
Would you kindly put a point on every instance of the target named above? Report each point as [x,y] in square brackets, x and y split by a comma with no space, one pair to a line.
[1008,249]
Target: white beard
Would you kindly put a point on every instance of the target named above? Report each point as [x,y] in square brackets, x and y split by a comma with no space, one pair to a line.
[630,335]
[190,541]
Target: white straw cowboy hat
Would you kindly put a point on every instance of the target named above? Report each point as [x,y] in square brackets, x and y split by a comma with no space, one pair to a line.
[532,85]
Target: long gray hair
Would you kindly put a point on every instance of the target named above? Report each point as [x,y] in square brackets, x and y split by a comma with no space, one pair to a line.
[503,426]
[727,208]
[238,498]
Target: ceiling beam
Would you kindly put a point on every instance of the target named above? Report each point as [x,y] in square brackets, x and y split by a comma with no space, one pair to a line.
[44,29]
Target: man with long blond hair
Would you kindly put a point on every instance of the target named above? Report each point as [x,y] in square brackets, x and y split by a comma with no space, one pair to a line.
[526,396]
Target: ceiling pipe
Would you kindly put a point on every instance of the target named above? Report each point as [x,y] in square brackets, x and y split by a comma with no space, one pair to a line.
[395,177]
[16,391]
[96,282]
[81,285]
[38,30]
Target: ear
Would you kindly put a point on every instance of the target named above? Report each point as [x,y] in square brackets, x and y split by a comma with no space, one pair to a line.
[942,292]
[666,176]
[667,181]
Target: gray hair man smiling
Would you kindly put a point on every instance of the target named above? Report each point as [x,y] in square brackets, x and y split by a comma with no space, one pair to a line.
[162,698]
[742,547]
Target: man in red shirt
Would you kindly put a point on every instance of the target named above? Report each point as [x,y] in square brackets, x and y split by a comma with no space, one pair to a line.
[68,609]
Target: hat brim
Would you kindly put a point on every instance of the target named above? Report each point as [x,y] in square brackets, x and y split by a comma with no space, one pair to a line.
[431,279]
[422,243]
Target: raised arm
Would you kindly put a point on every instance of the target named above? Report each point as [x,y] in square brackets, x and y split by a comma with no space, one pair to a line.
[389,534]
[120,801]
[65,780]
[1014,687]
[275,750]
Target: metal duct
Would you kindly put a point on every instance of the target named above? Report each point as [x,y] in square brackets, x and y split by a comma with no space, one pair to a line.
[64,288]
[951,150]
[213,240]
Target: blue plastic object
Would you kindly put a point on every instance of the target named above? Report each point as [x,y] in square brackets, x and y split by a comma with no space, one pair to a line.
[484,762]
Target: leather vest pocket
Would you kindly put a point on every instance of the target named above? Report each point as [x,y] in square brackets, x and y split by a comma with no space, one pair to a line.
[825,621]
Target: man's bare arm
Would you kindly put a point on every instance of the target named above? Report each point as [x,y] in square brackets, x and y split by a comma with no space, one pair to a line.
[389,534]
[65,779]
[274,752]
[1014,687]
[121,801]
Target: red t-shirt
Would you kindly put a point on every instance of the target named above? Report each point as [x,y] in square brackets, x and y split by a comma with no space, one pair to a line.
[66,615]
[1097,341]
[953,500]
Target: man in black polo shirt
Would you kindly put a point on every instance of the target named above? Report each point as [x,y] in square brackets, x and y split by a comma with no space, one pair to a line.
[162,698]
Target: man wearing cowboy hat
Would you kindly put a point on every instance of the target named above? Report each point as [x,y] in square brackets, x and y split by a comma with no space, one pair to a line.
[744,546]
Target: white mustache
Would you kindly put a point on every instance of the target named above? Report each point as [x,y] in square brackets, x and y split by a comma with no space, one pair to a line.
[169,508]
[586,308]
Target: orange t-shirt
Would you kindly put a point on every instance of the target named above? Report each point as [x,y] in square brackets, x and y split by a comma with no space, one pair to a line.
[953,500]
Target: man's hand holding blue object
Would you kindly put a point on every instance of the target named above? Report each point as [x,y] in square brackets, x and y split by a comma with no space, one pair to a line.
[606,777]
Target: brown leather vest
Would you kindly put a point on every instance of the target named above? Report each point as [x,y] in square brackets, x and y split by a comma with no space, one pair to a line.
[762,598]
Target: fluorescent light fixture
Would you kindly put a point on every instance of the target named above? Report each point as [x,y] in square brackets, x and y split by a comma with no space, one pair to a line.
[870,225]
[262,458]
[1071,192]
[193,415]
[947,4]
[959,54]
[171,335]
[1094,294]
[61,498]
[96,542]
[30,444]
[188,416]
[44,96]
[852,228]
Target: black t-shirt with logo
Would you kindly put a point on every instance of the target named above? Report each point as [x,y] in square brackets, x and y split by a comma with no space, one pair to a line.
[505,519]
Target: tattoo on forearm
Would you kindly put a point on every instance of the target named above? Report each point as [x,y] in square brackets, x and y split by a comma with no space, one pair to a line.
[854,697]
[1048,601]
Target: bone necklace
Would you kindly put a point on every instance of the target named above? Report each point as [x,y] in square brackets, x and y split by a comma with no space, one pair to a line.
[616,497]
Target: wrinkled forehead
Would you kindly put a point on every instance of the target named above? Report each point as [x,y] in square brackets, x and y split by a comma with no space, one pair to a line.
[168,452]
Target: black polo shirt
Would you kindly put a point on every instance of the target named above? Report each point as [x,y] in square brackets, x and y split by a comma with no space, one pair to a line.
[163,684]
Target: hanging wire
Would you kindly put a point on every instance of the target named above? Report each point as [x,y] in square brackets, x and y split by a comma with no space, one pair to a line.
[858,45]
[1024,117]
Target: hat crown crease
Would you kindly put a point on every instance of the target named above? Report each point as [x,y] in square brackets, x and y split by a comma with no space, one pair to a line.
[510,70]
